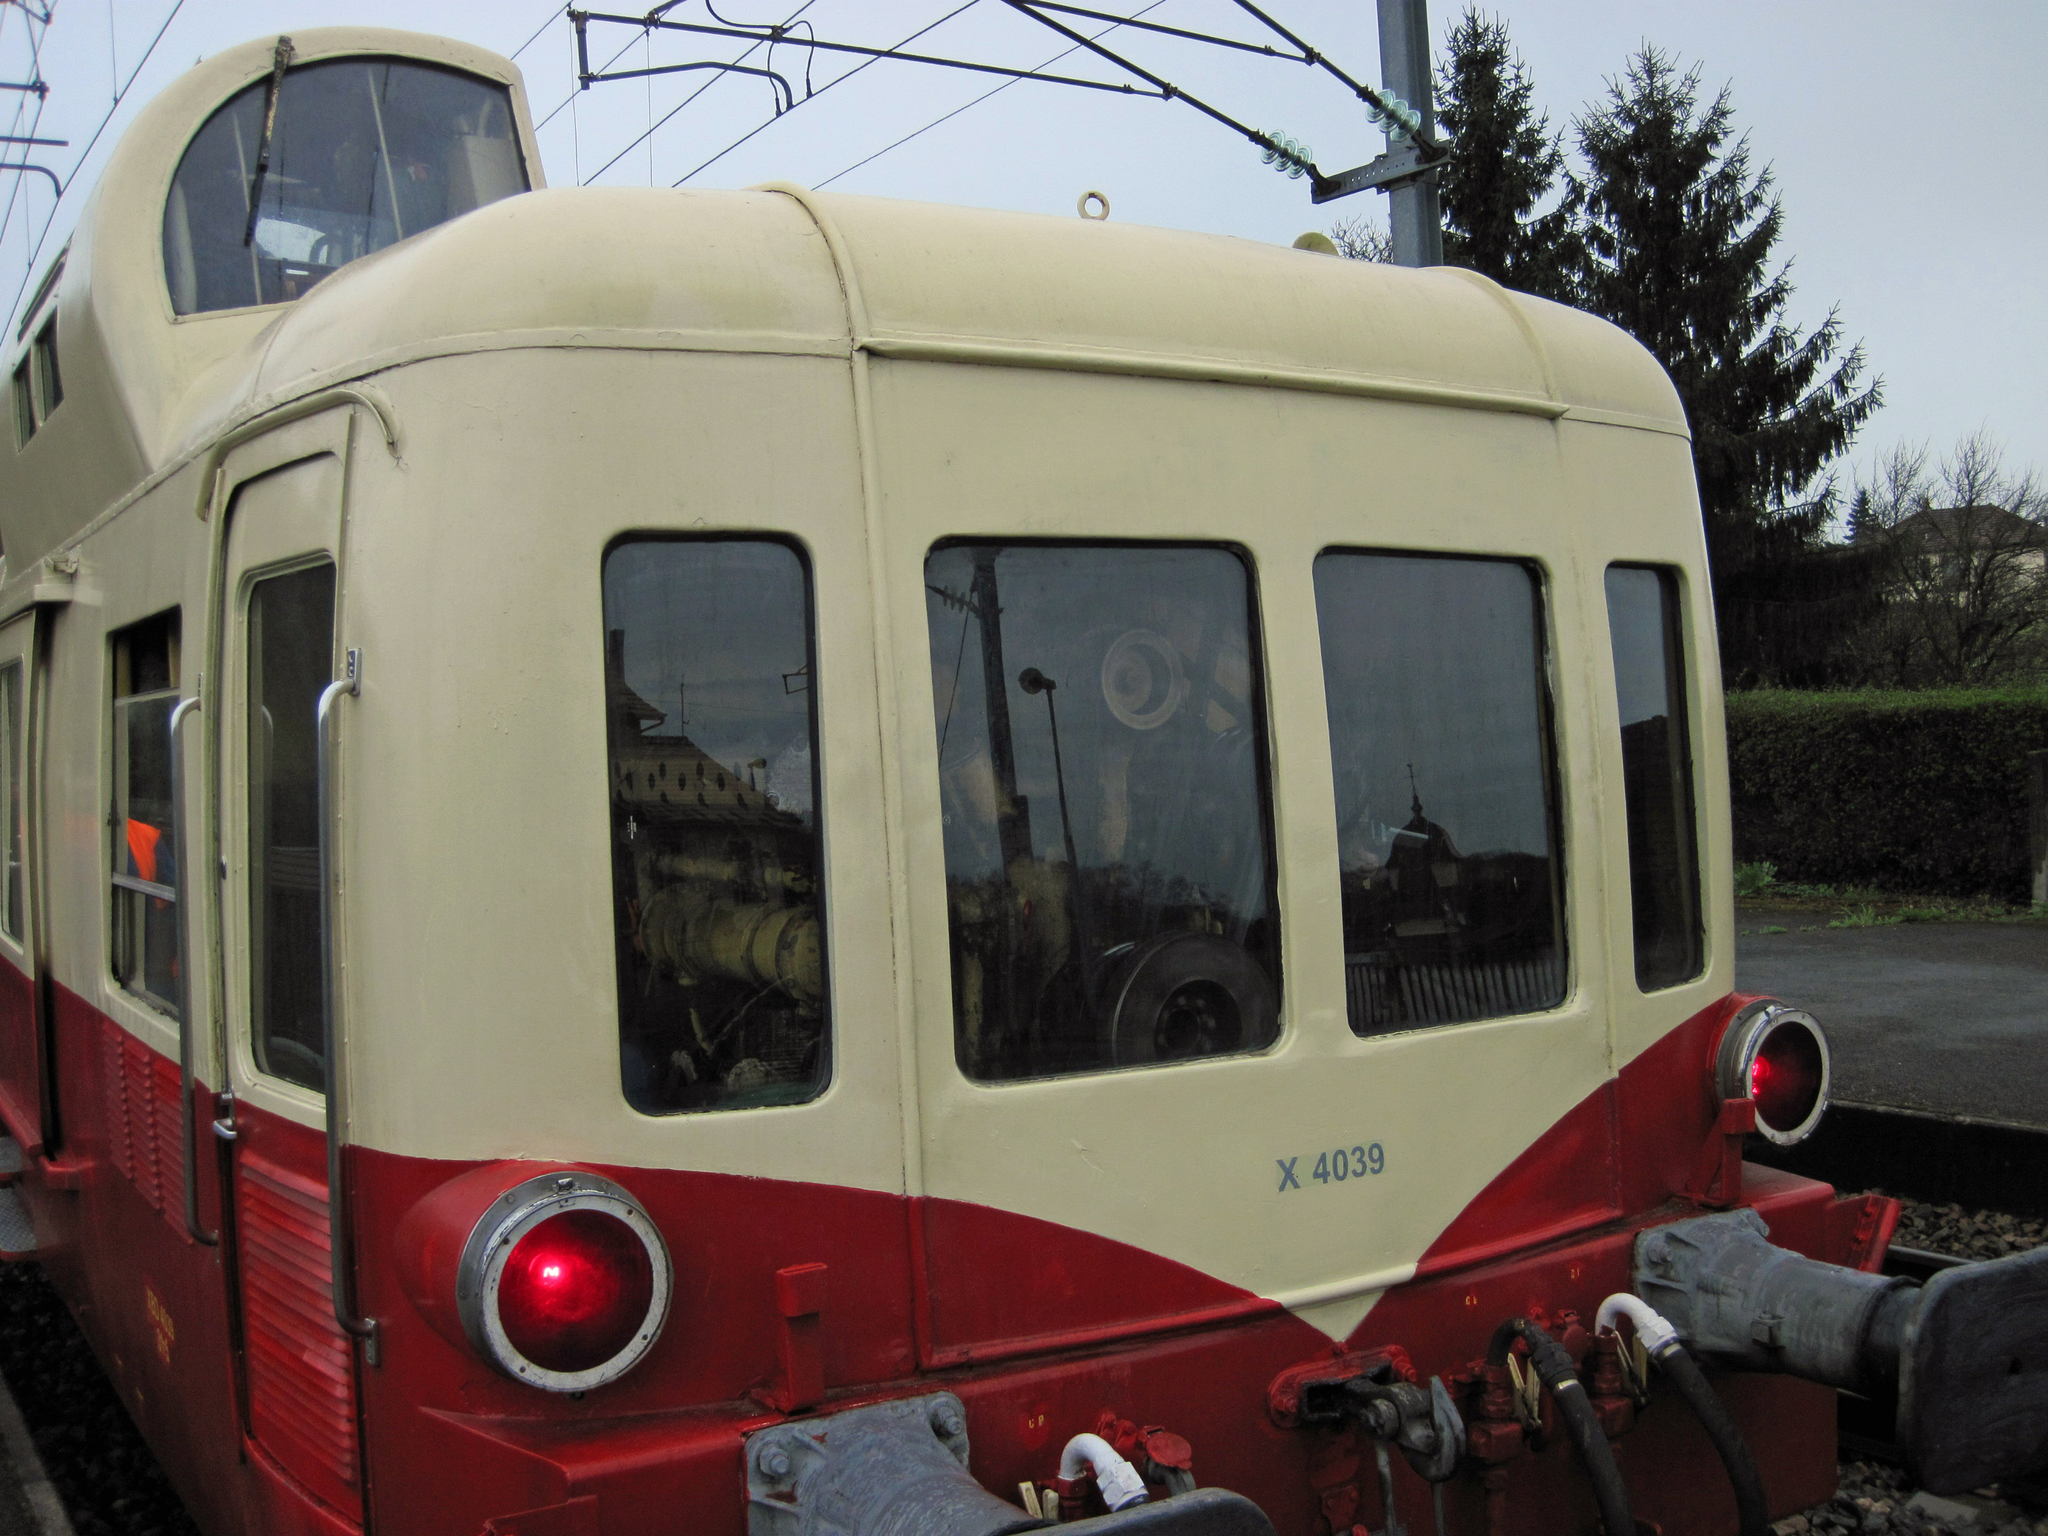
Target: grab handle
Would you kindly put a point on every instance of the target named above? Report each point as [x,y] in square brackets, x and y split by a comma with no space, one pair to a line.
[340,1257]
[182,905]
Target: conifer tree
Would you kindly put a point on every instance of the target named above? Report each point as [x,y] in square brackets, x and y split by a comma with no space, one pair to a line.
[1505,165]
[1679,233]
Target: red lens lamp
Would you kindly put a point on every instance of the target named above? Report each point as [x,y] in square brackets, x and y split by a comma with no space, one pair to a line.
[564,1282]
[1777,1056]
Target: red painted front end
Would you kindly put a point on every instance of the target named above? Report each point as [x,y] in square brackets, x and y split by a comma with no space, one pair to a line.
[248,1395]
[1046,1329]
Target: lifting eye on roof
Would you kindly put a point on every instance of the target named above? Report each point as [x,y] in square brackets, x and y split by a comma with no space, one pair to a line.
[1777,1056]
[564,1282]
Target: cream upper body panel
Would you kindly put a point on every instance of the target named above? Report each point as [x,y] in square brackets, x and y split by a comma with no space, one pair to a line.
[567,368]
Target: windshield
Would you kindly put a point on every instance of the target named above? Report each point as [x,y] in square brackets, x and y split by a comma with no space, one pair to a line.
[1102,761]
[362,153]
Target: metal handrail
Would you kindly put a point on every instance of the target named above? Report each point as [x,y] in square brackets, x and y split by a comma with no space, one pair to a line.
[188,1143]
[340,1256]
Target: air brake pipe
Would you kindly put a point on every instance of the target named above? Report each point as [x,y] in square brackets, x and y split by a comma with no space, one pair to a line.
[1660,1339]
[1118,1479]
[1555,1369]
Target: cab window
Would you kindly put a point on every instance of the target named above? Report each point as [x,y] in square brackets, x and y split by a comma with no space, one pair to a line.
[1101,743]
[1440,740]
[144,875]
[1643,620]
[717,909]
[361,153]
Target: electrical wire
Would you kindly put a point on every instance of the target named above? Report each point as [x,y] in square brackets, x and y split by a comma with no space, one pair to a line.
[935,122]
[35,40]
[736,143]
[655,127]
[85,154]
[555,13]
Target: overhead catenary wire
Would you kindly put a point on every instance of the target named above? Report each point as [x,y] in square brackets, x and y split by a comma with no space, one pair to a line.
[30,22]
[655,127]
[28,272]
[984,96]
[555,14]
[836,80]
[1277,148]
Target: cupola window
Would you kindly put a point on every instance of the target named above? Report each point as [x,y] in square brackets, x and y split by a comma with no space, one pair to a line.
[359,154]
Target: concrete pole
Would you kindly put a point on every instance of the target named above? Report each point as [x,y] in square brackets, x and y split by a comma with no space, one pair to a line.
[1415,217]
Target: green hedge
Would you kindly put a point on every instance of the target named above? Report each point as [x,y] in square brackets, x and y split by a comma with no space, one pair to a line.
[1920,792]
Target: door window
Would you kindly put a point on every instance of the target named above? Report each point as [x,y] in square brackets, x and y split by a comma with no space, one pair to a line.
[144,878]
[291,661]
[1102,762]
[10,797]
[1440,741]
[1656,765]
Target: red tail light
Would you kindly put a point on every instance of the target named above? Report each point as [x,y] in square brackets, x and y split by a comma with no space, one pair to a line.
[564,1282]
[575,1290]
[1777,1056]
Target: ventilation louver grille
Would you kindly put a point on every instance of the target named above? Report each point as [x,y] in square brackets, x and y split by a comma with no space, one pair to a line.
[301,1366]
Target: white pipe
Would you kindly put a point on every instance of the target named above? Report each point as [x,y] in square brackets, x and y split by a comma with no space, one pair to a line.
[1118,1479]
[1656,1334]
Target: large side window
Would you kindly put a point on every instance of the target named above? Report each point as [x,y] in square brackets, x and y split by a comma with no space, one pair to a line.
[145,948]
[1643,620]
[362,153]
[291,660]
[1102,760]
[1440,738]
[716,859]
[11,765]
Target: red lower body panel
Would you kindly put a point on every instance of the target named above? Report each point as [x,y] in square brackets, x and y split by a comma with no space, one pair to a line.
[255,1403]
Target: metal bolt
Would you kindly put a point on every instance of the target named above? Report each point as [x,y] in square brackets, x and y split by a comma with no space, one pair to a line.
[565,1182]
[773,1460]
[947,1421]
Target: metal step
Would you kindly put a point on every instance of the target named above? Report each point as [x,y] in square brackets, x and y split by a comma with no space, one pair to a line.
[12,1160]
[17,1227]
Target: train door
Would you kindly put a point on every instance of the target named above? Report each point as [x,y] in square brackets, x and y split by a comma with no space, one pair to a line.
[279,604]
[21,1044]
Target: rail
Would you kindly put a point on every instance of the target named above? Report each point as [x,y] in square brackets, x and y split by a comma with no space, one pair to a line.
[339,1248]
[188,1147]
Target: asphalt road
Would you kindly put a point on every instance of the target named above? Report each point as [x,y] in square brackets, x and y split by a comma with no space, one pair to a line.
[1946,1017]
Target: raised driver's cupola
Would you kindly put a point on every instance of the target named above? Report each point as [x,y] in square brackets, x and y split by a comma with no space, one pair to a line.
[250,180]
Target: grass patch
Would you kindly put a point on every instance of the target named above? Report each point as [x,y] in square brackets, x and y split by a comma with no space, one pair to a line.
[1863,916]
[1755,879]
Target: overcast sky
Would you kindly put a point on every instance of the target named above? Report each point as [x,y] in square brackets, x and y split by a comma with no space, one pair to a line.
[1907,140]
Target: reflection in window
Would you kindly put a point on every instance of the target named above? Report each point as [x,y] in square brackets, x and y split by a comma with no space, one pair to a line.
[291,662]
[1102,779]
[1446,825]
[1656,763]
[145,949]
[11,761]
[364,152]
[715,849]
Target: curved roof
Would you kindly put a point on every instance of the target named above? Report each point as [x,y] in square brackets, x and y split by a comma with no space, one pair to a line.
[756,270]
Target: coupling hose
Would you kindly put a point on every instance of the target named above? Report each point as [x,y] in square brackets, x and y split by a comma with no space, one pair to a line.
[1660,1339]
[1555,1369]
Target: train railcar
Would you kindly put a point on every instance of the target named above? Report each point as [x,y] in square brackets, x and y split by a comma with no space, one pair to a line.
[746,861]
